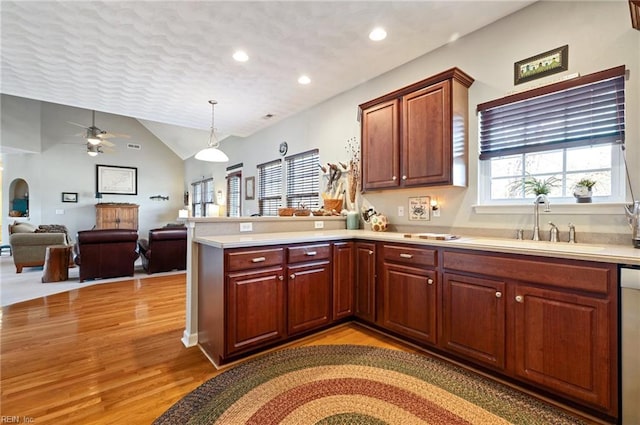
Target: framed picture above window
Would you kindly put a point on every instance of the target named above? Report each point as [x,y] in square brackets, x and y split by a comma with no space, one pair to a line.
[538,66]
[113,180]
[249,188]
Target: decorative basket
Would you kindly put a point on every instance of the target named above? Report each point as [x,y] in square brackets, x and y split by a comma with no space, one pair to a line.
[302,212]
[318,212]
[333,204]
[285,212]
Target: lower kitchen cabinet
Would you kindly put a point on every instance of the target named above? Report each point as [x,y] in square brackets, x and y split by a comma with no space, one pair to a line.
[562,341]
[308,296]
[473,318]
[410,303]
[365,284]
[343,279]
[255,309]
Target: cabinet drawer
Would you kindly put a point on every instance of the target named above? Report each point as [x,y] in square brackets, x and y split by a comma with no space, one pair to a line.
[298,254]
[566,274]
[242,260]
[408,255]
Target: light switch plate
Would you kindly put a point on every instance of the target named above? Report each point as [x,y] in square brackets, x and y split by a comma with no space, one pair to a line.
[246,227]
[400,211]
[59,212]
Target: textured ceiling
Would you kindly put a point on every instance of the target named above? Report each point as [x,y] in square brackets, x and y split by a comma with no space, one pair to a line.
[162,61]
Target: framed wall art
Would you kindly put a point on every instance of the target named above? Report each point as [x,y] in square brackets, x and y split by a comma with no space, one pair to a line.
[420,208]
[114,180]
[538,66]
[69,197]
[249,188]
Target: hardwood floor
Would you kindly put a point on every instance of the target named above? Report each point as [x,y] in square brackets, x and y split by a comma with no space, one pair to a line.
[111,353]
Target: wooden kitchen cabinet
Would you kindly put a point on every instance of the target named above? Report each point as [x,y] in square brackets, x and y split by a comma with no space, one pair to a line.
[116,216]
[409,288]
[417,135]
[365,285]
[308,287]
[343,279]
[473,318]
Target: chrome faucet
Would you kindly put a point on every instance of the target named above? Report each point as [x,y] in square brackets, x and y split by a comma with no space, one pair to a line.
[536,214]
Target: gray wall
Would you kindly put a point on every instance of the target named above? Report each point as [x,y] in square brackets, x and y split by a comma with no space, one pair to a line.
[62,165]
[599,35]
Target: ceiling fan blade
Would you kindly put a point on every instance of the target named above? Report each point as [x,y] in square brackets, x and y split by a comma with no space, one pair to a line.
[76,124]
[108,135]
[107,143]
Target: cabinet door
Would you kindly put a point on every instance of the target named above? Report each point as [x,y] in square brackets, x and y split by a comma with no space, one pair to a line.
[343,274]
[426,136]
[106,218]
[473,318]
[365,288]
[255,309]
[128,218]
[562,341]
[410,301]
[380,146]
[308,296]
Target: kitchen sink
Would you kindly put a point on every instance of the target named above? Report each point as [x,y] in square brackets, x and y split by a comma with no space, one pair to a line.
[531,245]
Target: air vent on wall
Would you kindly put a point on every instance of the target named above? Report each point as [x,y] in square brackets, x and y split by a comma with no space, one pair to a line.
[134,146]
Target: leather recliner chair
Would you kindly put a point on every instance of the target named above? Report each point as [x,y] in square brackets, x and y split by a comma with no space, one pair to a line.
[106,253]
[165,250]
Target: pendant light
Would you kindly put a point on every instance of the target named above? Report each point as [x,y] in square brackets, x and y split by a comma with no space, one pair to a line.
[212,152]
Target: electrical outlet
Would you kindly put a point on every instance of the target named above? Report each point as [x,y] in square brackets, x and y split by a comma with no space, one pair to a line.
[318,224]
[246,227]
[59,212]
[436,213]
[400,211]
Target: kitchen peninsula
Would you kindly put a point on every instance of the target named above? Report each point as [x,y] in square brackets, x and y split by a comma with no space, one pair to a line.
[538,313]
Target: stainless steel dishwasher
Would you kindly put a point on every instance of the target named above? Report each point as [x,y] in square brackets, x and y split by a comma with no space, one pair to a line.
[630,343]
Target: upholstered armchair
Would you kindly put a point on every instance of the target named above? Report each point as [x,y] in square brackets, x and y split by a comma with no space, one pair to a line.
[29,243]
[165,250]
[106,253]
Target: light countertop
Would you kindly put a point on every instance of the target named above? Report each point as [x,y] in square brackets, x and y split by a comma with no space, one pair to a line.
[619,254]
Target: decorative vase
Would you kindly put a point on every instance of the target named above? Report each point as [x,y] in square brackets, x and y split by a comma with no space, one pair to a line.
[353,220]
[379,223]
[582,194]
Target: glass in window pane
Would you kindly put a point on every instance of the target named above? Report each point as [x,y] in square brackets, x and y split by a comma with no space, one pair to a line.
[506,188]
[543,162]
[506,166]
[589,158]
[602,179]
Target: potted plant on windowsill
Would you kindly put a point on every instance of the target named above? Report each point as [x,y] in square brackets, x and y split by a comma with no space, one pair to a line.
[535,186]
[584,190]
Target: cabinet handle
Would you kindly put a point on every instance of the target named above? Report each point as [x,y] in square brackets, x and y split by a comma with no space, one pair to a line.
[310,253]
[498,294]
[430,281]
[394,178]
[292,276]
[404,177]
[406,255]
[370,252]
[258,260]
[519,298]
[281,277]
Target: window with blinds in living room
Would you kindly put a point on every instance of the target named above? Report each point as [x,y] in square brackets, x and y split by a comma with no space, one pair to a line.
[202,195]
[234,201]
[270,187]
[565,131]
[303,180]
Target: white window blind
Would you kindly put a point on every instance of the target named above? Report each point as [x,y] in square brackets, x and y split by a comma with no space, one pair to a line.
[202,192]
[270,187]
[234,194]
[303,179]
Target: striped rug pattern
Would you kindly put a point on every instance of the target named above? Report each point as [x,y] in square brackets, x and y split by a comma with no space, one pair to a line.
[350,384]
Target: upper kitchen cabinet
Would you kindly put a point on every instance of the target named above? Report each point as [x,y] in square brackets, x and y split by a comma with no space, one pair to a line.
[417,135]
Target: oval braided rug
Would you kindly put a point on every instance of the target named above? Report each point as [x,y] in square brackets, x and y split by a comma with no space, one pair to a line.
[351,384]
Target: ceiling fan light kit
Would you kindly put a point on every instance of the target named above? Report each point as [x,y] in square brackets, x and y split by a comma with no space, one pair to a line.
[212,152]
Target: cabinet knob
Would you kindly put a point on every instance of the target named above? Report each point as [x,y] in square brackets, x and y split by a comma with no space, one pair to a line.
[370,252]
[430,281]
[281,277]
[394,178]
[519,298]
[498,294]
[292,276]
[404,177]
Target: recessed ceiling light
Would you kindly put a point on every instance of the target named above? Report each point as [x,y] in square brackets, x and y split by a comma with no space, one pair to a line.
[378,34]
[241,56]
[304,79]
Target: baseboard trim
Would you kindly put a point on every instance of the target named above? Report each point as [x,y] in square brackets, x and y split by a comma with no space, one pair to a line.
[189,339]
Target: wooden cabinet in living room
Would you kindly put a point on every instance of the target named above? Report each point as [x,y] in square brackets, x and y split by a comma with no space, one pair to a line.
[365,284]
[116,216]
[409,288]
[308,287]
[417,135]
[473,318]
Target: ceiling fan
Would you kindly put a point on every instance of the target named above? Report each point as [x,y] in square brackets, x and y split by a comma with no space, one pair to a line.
[96,136]
[94,150]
